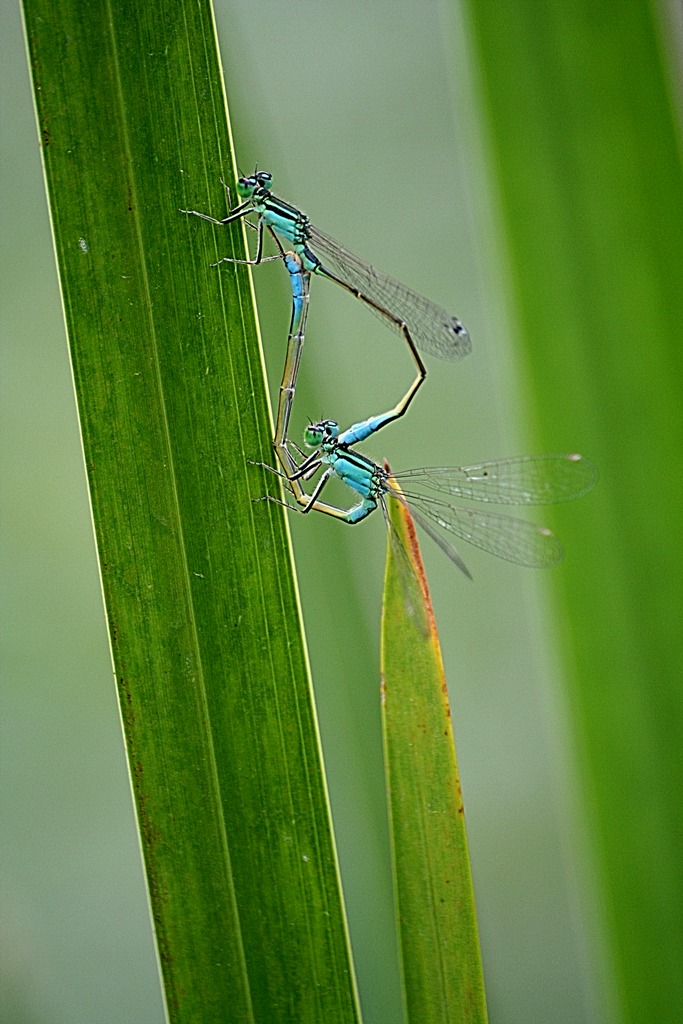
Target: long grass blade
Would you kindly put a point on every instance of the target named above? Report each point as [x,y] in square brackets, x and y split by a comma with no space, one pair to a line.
[203,615]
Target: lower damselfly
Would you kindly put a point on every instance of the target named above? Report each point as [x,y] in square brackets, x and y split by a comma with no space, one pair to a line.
[526,480]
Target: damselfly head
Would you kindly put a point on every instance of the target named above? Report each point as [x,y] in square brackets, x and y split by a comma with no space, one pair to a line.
[317,435]
[259,179]
[246,187]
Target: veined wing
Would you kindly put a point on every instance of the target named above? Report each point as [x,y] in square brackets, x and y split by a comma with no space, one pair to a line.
[433,330]
[528,480]
[515,540]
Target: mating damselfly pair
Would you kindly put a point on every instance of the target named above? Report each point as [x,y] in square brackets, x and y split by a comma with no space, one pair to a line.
[426,327]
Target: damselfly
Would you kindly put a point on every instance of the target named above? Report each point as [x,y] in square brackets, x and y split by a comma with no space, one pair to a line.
[527,480]
[424,325]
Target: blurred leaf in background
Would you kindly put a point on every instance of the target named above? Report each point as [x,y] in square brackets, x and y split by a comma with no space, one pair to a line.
[586,153]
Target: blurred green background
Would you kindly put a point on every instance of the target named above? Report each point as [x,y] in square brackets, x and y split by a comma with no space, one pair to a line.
[371,119]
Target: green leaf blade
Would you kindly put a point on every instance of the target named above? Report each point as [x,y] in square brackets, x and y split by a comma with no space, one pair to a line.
[204,621]
[438,936]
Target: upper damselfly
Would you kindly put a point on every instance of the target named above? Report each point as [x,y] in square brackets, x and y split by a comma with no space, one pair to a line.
[424,325]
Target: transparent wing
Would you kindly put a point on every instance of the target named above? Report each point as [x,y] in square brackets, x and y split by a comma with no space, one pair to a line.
[505,536]
[528,480]
[433,330]
[445,545]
